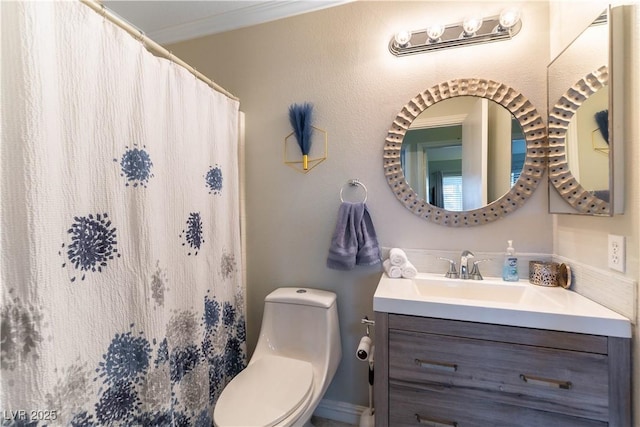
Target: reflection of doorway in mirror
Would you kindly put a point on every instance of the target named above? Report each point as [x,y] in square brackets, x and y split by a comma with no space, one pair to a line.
[588,163]
[463,153]
[444,166]
[444,155]
[427,155]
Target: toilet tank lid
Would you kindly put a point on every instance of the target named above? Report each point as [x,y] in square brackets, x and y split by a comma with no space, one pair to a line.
[302,296]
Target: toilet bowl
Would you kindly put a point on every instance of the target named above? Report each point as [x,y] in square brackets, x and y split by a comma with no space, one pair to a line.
[296,357]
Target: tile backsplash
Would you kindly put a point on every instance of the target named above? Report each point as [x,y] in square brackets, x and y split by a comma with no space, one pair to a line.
[605,287]
[427,261]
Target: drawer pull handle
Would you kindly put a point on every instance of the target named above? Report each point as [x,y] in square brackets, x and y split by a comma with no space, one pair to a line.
[435,422]
[565,385]
[440,366]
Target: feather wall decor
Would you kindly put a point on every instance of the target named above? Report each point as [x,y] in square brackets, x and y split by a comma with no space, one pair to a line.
[300,119]
[602,119]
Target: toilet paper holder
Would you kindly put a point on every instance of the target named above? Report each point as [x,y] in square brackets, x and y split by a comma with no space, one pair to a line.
[365,320]
[365,346]
[365,353]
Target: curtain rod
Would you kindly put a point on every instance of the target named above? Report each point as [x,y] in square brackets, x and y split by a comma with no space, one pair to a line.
[152,46]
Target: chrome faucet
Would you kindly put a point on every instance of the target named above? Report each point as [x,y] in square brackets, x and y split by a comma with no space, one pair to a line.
[465,259]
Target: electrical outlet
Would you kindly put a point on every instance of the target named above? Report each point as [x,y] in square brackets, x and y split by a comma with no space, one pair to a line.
[616,253]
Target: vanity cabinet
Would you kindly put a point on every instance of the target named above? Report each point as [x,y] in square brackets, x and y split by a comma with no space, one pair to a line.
[445,373]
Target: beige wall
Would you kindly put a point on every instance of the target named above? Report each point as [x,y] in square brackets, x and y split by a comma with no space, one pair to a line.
[338,59]
[585,238]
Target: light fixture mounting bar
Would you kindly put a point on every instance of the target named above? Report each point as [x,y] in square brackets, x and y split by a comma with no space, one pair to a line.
[453,36]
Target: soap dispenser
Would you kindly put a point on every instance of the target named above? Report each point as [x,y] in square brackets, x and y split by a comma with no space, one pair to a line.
[510,266]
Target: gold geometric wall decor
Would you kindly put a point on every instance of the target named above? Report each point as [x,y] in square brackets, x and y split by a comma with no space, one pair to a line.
[598,143]
[318,152]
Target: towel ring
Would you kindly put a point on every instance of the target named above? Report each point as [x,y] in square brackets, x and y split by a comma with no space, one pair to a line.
[354,183]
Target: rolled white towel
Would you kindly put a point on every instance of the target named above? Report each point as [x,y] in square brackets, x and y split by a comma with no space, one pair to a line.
[393,271]
[397,257]
[408,270]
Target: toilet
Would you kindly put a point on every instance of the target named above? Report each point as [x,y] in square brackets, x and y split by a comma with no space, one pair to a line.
[296,357]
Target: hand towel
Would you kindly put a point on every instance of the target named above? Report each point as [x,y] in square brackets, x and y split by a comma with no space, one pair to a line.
[368,248]
[397,257]
[393,271]
[408,271]
[354,240]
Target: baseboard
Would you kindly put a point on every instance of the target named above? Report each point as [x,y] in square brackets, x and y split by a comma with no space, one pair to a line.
[339,411]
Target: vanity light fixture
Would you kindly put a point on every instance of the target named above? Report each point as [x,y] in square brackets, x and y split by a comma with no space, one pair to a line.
[471,25]
[402,38]
[508,19]
[434,32]
[473,30]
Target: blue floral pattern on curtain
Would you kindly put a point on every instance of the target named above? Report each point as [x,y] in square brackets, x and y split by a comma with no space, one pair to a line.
[214,180]
[136,166]
[93,243]
[122,293]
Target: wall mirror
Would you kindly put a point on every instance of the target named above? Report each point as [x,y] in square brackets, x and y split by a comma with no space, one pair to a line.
[584,156]
[465,152]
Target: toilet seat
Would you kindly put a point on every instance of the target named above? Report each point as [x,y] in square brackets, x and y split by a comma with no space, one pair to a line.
[265,393]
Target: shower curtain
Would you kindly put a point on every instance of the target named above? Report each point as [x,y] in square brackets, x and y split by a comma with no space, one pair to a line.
[122,292]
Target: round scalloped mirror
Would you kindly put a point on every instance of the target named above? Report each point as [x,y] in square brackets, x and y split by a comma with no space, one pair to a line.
[524,181]
[560,174]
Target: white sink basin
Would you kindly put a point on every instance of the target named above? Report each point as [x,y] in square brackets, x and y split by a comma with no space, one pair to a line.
[469,290]
[495,301]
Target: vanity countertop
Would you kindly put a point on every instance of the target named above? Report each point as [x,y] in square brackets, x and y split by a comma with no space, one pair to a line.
[498,302]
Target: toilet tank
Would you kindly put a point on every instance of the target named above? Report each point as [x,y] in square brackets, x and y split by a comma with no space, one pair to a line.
[301,323]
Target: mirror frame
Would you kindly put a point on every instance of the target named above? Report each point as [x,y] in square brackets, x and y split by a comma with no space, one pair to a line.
[558,203]
[534,166]
[560,174]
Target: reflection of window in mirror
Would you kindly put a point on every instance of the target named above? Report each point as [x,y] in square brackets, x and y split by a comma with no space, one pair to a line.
[518,154]
[518,151]
[452,189]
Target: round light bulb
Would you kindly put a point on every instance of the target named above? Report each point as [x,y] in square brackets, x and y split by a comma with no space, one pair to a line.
[402,38]
[434,32]
[471,24]
[509,17]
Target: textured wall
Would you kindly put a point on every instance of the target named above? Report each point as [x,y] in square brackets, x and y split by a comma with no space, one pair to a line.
[338,59]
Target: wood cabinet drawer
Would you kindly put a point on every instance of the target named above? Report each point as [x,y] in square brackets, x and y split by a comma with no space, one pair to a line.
[448,408]
[560,381]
